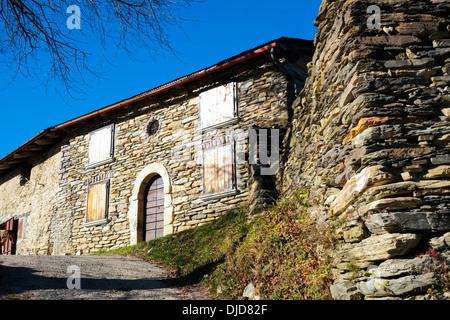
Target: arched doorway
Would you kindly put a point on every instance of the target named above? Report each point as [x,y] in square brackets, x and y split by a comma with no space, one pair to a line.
[154,209]
[137,213]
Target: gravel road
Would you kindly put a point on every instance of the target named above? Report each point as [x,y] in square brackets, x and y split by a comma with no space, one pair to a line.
[101,277]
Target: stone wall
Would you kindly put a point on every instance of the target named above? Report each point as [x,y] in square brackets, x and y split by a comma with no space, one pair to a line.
[31,200]
[265,95]
[370,142]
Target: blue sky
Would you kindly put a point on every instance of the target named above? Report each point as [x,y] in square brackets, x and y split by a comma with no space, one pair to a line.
[221,29]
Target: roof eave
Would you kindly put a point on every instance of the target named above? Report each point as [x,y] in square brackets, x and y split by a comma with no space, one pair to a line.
[176,83]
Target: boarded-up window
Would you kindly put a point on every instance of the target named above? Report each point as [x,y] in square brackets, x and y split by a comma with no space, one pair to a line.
[20,228]
[97,205]
[218,105]
[218,169]
[101,144]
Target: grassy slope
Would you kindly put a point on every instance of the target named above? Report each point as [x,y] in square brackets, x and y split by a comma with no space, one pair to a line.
[281,253]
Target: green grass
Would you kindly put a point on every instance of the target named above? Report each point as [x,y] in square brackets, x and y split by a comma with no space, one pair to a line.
[191,250]
[283,253]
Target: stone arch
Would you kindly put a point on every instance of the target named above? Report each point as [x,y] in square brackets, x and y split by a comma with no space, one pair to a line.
[136,209]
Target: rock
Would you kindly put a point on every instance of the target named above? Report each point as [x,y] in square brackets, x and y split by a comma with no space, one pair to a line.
[355,234]
[249,291]
[364,99]
[441,159]
[383,298]
[406,176]
[365,123]
[330,199]
[390,204]
[412,63]
[446,112]
[440,243]
[439,172]
[384,222]
[344,290]
[380,287]
[397,153]
[357,184]
[379,247]
[378,223]
[441,43]
[401,267]
[410,54]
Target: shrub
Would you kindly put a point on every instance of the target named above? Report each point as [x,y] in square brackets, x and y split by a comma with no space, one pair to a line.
[283,254]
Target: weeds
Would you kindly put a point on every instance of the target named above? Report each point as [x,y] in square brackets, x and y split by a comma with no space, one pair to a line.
[282,255]
[282,252]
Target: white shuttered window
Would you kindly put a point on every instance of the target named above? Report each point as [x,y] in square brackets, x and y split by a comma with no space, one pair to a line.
[101,144]
[218,105]
[97,205]
[218,169]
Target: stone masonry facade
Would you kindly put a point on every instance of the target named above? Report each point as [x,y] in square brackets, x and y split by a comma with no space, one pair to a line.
[176,147]
[32,202]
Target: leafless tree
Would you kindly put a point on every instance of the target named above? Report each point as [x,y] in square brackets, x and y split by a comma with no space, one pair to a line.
[61,34]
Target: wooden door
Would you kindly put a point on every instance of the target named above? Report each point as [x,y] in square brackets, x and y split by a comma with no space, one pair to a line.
[154,209]
[10,245]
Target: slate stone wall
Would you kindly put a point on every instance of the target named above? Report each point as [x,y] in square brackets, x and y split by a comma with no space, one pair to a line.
[370,141]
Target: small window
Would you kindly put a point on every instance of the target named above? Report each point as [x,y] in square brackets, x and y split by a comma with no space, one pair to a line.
[218,105]
[152,128]
[25,174]
[101,145]
[97,204]
[218,169]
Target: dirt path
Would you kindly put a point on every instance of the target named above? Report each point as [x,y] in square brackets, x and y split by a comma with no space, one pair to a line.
[101,277]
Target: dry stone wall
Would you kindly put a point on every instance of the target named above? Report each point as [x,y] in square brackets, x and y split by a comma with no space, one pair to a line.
[370,142]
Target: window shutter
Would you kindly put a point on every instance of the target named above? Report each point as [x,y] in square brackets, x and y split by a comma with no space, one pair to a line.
[227,156]
[208,108]
[97,201]
[210,168]
[217,105]
[101,144]
[218,169]
[226,102]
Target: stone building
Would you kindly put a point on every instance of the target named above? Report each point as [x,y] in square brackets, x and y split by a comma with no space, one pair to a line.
[365,129]
[168,159]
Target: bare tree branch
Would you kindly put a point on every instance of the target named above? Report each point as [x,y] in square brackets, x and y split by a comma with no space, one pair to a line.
[34,33]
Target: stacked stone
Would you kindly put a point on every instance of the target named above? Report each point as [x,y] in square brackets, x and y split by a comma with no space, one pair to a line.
[32,202]
[371,143]
[264,95]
